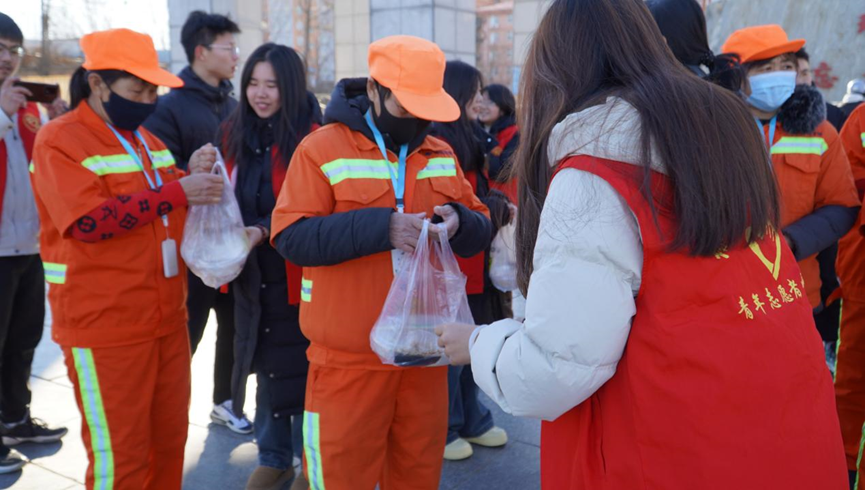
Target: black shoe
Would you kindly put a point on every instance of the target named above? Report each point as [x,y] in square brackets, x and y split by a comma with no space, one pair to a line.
[31,430]
[13,461]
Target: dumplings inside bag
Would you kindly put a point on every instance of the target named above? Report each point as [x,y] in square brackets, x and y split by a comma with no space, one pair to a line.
[503,259]
[429,290]
[215,245]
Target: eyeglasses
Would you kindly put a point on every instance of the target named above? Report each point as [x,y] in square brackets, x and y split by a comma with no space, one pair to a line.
[228,47]
[14,51]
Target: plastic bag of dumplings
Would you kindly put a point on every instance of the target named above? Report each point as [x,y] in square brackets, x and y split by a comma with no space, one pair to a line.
[429,290]
[215,244]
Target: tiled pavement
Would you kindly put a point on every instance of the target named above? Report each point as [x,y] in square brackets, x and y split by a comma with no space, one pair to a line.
[217,459]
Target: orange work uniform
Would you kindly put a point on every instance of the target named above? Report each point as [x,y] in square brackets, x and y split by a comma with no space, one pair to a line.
[365,422]
[120,321]
[850,368]
[812,172]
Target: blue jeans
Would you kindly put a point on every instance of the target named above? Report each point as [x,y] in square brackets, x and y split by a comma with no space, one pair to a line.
[467,416]
[279,439]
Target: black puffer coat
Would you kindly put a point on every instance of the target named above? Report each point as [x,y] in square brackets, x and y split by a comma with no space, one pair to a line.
[268,340]
[188,117]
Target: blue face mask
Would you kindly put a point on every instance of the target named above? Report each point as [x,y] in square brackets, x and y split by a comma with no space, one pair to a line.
[769,91]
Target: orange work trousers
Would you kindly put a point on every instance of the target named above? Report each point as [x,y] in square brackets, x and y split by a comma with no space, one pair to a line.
[134,403]
[363,427]
[850,377]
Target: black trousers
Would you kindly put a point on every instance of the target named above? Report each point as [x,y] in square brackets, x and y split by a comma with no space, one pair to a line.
[22,318]
[199,302]
[829,318]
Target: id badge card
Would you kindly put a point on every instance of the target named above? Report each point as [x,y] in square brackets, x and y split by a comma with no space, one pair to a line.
[169,258]
[398,257]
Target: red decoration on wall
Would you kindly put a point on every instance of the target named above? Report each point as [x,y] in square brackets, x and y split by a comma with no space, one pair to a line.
[862,24]
[823,76]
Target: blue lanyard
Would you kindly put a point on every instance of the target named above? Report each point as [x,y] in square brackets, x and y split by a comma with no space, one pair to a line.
[397,180]
[772,124]
[132,153]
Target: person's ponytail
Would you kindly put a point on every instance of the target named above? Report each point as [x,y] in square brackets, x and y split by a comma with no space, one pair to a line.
[725,71]
[79,88]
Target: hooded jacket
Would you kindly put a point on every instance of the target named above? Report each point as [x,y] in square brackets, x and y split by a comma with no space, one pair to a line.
[819,202]
[322,240]
[587,269]
[188,117]
[333,218]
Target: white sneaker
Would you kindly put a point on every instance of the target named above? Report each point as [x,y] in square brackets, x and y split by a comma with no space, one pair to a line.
[222,414]
[495,437]
[458,450]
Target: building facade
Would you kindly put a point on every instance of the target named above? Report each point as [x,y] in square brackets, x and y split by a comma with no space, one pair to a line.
[495,41]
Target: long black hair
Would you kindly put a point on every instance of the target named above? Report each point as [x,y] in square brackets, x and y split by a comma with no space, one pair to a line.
[683,24]
[294,118]
[79,87]
[462,81]
[503,98]
[586,50]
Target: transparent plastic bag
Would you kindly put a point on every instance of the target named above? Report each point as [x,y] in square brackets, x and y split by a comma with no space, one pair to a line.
[429,290]
[503,259]
[215,245]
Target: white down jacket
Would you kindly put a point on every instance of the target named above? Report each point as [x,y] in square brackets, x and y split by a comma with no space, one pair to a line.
[587,265]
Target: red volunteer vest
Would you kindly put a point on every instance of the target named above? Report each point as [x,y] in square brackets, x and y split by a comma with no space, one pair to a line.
[722,384]
[29,123]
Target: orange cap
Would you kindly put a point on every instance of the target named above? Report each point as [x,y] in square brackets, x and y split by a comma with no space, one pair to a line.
[759,43]
[414,70]
[130,51]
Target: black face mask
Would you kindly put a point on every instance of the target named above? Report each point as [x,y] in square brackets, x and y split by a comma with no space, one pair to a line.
[402,130]
[127,114]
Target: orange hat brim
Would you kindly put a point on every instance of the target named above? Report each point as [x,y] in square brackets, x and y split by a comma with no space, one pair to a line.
[767,54]
[438,107]
[157,76]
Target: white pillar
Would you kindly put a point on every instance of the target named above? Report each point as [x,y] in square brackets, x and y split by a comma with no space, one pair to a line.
[351,37]
[527,16]
[449,23]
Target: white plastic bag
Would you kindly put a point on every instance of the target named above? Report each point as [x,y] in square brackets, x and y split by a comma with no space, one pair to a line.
[215,245]
[429,290]
[503,259]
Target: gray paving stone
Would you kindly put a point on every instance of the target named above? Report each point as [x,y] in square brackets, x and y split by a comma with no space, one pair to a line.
[52,402]
[48,360]
[527,431]
[34,477]
[513,467]
[67,458]
[217,458]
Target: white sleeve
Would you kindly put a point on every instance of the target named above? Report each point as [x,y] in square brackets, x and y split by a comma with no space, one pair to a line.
[5,124]
[587,266]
